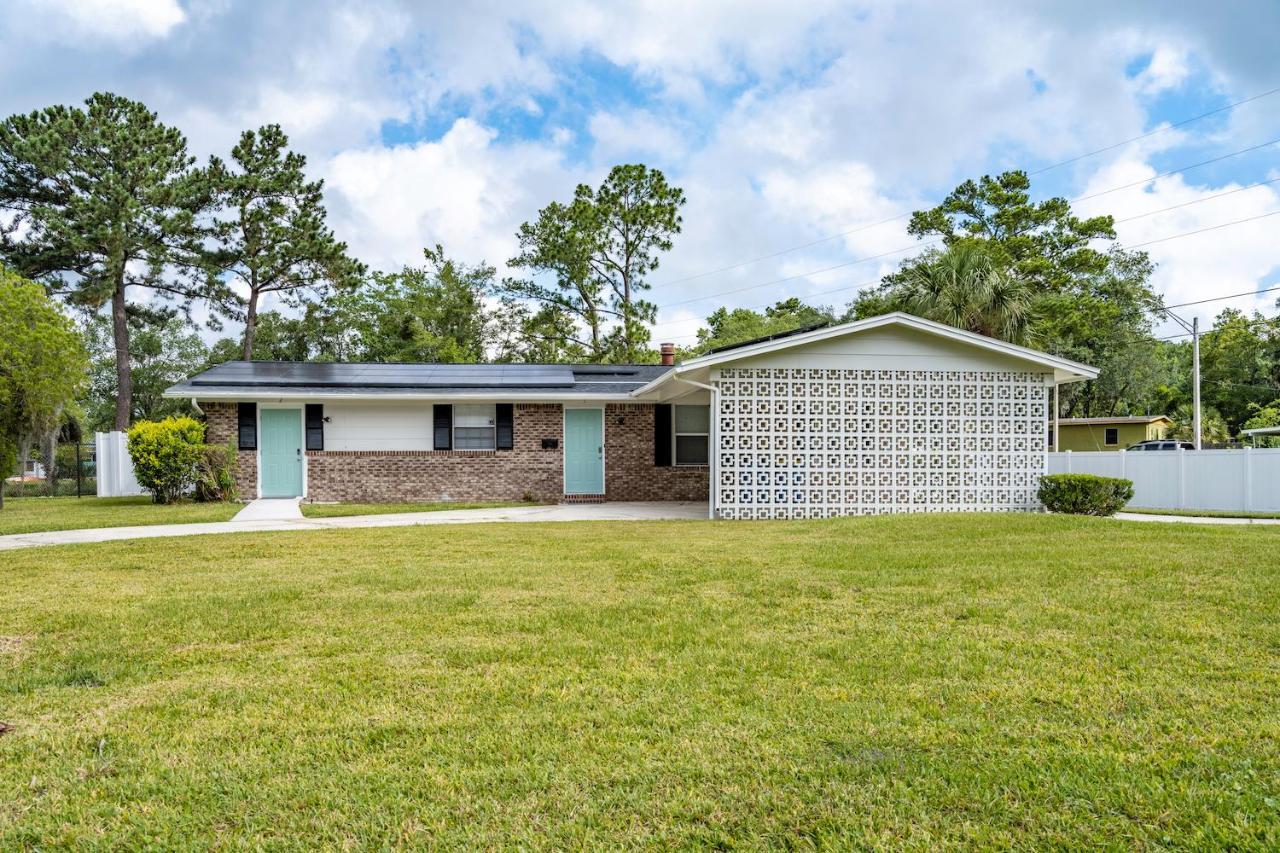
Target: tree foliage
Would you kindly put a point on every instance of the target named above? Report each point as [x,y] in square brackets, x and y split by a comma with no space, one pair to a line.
[163,350]
[102,200]
[270,231]
[1044,242]
[42,365]
[725,326]
[599,249]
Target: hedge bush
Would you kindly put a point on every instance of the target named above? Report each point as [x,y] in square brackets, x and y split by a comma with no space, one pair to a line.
[1084,494]
[166,456]
[214,478]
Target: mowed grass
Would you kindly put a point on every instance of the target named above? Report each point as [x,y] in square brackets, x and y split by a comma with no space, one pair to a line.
[32,515]
[310,510]
[918,681]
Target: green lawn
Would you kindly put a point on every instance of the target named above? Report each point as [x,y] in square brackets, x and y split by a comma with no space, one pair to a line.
[917,681]
[30,515]
[334,510]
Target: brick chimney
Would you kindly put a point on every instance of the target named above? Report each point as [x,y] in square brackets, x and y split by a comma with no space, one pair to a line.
[668,354]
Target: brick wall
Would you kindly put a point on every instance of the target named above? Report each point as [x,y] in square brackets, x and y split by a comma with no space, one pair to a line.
[460,475]
[629,472]
[385,476]
[222,426]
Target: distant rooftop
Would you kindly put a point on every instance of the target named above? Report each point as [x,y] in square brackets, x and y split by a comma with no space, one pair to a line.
[1136,419]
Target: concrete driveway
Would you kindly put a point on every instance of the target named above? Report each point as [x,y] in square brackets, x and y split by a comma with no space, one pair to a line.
[262,519]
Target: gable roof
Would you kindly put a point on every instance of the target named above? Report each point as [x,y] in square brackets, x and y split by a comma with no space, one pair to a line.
[1064,369]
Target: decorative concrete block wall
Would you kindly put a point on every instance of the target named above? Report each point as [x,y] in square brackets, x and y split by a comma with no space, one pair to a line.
[815,443]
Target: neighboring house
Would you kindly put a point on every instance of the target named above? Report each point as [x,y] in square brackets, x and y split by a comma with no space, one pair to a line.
[891,413]
[1110,433]
[31,471]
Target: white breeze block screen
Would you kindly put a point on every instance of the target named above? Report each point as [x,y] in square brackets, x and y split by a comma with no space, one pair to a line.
[815,443]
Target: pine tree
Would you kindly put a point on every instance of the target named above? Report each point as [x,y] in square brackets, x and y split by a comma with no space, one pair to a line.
[102,200]
[271,232]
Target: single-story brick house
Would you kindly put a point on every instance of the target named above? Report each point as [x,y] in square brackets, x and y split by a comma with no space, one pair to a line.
[891,413]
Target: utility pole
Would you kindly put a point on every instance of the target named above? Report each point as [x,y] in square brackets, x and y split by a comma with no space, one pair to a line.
[1195,376]
[1194,329]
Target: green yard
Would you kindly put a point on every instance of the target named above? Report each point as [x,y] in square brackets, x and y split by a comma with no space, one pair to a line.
[30,515]
[918,681]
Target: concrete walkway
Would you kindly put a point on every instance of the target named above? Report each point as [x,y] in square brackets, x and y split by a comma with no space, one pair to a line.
[1192,519]
[271,509]
[636,511]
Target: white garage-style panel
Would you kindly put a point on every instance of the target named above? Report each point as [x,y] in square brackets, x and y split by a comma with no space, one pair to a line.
[373,425]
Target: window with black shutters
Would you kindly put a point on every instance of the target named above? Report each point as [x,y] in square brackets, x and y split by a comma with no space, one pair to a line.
[442,426]
[662,435]
[504,416]
[315,426]
[247,432]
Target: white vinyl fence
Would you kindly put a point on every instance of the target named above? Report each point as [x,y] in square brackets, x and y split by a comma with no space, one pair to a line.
[114,468]
[1234,480]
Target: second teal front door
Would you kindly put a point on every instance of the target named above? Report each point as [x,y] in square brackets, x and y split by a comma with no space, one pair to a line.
[584,451]
[280,456]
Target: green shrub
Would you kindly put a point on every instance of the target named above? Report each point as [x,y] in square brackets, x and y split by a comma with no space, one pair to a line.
[166,456]
[215,480]
[1084,494]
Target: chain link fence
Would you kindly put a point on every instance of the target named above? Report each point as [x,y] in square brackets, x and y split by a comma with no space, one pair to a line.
[73,475]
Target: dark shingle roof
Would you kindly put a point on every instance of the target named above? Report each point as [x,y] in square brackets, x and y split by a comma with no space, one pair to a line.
[256,378]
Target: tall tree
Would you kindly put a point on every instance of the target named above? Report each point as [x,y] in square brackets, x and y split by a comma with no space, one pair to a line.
[102,200]
[1044,241]
[433,313]
[601,247]
[1237,365]
[42,366]
[271,233]
[163,350]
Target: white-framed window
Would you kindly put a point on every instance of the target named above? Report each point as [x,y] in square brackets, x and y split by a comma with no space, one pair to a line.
[474,427]
[692,426]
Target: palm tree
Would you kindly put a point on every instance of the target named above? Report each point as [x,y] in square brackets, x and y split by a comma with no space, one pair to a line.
[966,288]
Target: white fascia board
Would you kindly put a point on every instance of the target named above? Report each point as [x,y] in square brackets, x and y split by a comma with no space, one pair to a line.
[1065,370]
[484,397]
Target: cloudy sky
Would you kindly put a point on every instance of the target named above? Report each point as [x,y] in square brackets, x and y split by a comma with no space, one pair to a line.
[799,131]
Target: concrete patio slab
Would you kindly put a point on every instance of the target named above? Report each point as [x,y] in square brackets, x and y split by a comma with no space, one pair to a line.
[622,511]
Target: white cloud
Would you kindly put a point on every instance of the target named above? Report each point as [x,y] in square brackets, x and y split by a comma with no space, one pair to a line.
[1198,266]
[465,191]
[119,20]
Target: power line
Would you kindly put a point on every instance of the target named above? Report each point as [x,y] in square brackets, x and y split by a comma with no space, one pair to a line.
[1203,230]
[1177,171]
[1220,298]
[862,284]
[938,240]
[1040,171]
[1256,321]
[1198,200]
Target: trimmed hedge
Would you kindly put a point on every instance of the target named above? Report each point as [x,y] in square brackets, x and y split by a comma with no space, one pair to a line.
[1084,494]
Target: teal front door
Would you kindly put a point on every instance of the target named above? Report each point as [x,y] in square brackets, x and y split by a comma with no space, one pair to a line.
[280,456]
[584,451]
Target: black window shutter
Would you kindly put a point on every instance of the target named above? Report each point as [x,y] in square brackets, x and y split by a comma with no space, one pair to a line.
[443,415]
[504,420]
[315,426]
[662,435]
[247,423]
